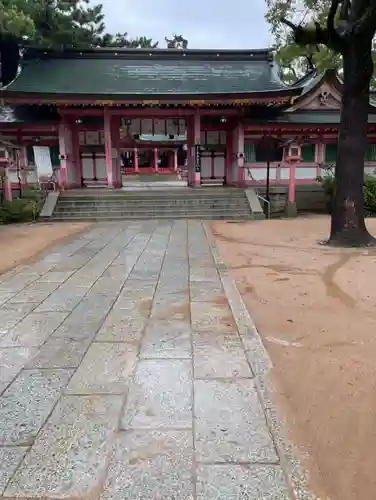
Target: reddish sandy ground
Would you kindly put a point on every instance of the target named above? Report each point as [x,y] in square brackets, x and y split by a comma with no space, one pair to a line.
[22,243]
[315,308]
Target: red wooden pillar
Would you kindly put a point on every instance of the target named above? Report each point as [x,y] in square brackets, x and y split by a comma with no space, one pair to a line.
[241,160]
[155,160]
[7,185]
[76,158]
[175,160]
[190,150]
[116,163]
[135,160]
[108,146]
[64,151]
[228,156]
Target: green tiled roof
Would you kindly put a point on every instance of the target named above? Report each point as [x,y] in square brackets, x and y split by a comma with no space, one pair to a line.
[147,73]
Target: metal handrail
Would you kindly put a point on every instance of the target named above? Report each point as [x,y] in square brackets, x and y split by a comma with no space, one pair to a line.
[267,202]
[258,195]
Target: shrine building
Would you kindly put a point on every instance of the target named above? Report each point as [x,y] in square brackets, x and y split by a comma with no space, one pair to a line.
[108,114]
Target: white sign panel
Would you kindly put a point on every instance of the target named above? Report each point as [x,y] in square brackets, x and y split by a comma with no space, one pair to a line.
[43,162]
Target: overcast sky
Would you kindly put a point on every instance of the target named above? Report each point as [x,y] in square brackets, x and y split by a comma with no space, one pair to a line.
[205,23]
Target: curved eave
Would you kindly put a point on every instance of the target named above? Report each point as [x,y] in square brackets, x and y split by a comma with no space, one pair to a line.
[228,99]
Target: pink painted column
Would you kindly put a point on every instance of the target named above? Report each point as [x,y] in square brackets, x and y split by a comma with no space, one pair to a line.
[155,160]
[63,148]
[76,159]
[108,147]
[291,209]
[190,151]
[116,162]
[292,181]
[135,160]
[320,157]
[228,156]
[175,160]
[241,169]
[7,186]
[196,170]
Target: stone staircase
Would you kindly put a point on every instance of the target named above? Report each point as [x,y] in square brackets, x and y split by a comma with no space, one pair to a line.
[173,203]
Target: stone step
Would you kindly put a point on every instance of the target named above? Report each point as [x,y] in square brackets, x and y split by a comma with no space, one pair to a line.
[151,205]
[147,213]
[91,218]
[217,191]
[155,196]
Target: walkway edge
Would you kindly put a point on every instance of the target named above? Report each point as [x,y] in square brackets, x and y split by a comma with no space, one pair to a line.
[261,365]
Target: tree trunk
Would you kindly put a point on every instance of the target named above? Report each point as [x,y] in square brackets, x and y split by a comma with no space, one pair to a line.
[348,227]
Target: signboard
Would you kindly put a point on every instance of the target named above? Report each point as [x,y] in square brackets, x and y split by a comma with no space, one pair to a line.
[198,158]
[42,158]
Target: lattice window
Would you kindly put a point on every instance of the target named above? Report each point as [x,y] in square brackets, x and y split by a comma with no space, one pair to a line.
[371,152]
[331,153]
[308,152]
[249,152]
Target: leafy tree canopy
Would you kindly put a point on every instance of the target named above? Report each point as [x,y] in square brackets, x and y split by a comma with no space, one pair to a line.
[62,23]
[295,59]
[176,42]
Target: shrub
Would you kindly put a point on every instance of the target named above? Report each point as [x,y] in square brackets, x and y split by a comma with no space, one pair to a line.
[370,193]
[19,210]
[32,193]
[328,183]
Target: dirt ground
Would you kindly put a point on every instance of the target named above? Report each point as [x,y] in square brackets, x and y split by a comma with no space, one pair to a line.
[315,308]
[22,243]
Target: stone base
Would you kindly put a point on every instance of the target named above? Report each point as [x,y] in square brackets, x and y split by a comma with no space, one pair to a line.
[291,209]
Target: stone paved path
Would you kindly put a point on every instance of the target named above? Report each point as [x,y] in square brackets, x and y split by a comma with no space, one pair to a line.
[123,376]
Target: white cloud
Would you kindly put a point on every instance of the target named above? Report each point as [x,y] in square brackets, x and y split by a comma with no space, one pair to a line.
[205,23]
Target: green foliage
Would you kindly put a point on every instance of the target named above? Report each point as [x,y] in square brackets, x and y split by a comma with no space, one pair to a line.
[15,19]
[176,42]
[292,58]
[67,23]
[370,194]
[121,40]
[327,180]
[32,193]
[19,210]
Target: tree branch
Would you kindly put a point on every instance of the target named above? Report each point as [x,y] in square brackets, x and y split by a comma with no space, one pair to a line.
[317,35]
[366,24]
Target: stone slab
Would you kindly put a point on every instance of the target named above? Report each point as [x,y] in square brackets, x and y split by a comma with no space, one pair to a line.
[55,276]
[75,328]
[10,459]
[219,356]
[106,368]
[151,465]
[36,292]
[27,402]
[212,318]
[241,482]
[5,296]
[69,457]
[19,282]
[33,330]
[63,299]
[122,325]
[60,353]
[12,360]
[164,339]
[11,314]
[230,424]
[205,291]
[160,396]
